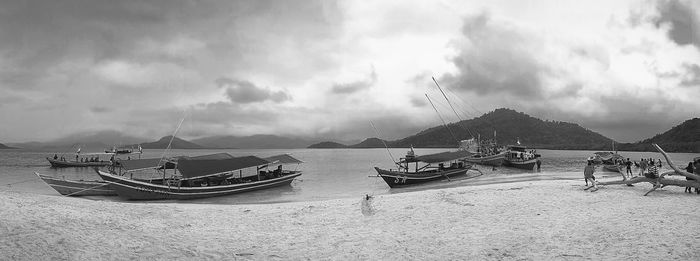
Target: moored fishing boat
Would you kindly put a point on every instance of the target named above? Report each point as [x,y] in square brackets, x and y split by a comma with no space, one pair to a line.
[199,177]
[403,176]
[483,153]
[518,156]
[78,187]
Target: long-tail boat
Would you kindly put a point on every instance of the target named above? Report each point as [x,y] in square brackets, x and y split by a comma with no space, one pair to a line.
[199,177]
[424,169]
[78,187]
[81,160]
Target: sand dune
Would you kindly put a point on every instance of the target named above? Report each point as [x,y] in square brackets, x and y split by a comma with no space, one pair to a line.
[546,219]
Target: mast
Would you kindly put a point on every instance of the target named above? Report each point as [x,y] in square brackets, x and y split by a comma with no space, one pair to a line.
[449,103]
[443,120]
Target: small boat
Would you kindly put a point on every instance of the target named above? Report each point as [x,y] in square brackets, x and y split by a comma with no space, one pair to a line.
[81,160]
[78,187]
[403,176]
[199,177]
[115,150]
[518,156]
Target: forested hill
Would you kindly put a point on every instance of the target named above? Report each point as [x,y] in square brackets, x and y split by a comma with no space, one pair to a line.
[3,147]
[684,137]
[510,125]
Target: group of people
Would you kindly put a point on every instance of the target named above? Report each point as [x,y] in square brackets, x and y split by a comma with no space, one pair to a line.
[647,168]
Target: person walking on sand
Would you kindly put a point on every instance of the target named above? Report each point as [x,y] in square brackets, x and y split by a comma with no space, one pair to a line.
[588,174]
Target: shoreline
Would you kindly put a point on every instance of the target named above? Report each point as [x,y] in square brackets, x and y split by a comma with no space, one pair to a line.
[544,219]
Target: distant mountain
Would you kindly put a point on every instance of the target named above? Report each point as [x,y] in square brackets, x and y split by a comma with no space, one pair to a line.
[87,141]
[509,126]
[684,137]
[327,145]
[253,142]
[369,143]
[176,144]
[3,147]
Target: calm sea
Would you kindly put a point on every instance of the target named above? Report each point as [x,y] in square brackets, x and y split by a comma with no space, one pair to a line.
[327,173]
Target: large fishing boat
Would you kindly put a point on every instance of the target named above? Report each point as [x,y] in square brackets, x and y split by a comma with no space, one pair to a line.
[78,187]
[518,156]
[483,153]
[424,169]
[199,177]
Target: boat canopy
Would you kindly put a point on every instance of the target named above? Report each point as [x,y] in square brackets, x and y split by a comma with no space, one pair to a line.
[283,159]
[193,168]
[215,156]
[140,164]
[440,157]
[517,147]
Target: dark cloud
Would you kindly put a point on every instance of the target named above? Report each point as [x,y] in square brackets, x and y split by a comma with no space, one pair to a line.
[692,77]
[685,27]
[496,58]
[352,87]
[242,91]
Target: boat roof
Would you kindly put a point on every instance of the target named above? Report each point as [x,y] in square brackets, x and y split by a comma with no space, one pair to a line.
[141,164]
[283,159]
[192,168]
[441,157]
[215,156]
[518,147]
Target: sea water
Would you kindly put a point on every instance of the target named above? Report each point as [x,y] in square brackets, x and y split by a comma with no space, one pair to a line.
[327,173]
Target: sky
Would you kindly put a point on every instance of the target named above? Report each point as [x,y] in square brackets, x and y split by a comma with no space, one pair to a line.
[325,69]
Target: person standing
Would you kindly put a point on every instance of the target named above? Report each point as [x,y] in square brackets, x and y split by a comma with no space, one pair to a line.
[588,174]
[642,167]
[689,169]
[628,163]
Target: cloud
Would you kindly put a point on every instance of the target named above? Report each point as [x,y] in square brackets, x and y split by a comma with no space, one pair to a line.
[496,57]
[685,26]
[353,87]
[242,91]
[692,77]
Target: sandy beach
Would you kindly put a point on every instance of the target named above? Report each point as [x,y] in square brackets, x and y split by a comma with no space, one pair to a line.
[536,219]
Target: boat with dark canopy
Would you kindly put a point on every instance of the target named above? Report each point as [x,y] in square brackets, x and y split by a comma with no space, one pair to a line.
[199,177]
[404,175]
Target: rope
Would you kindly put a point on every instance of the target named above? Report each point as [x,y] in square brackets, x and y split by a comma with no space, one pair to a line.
[15,183]
[86,189]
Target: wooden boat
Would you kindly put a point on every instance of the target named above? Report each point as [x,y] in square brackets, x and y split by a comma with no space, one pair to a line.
[482,152]
[78,187]
[403,176]
[65,164]
[200,177]
[518,157]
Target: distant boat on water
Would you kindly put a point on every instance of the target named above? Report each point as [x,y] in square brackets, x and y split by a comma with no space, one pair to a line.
[200,177]
[404,176]
[78,187]
[81,160]
[116,150]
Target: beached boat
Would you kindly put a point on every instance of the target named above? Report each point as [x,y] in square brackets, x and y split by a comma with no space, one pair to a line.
[403,176]
[518,156]
[78,187]
[82,160]
[200,177]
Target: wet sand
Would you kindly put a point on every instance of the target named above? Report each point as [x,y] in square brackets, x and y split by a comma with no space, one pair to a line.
[520,219]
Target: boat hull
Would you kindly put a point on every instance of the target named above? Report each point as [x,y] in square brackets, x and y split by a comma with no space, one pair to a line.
[490,160]
[78,187]
[399,179]
[140,190]
[520,164]
[68,164]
